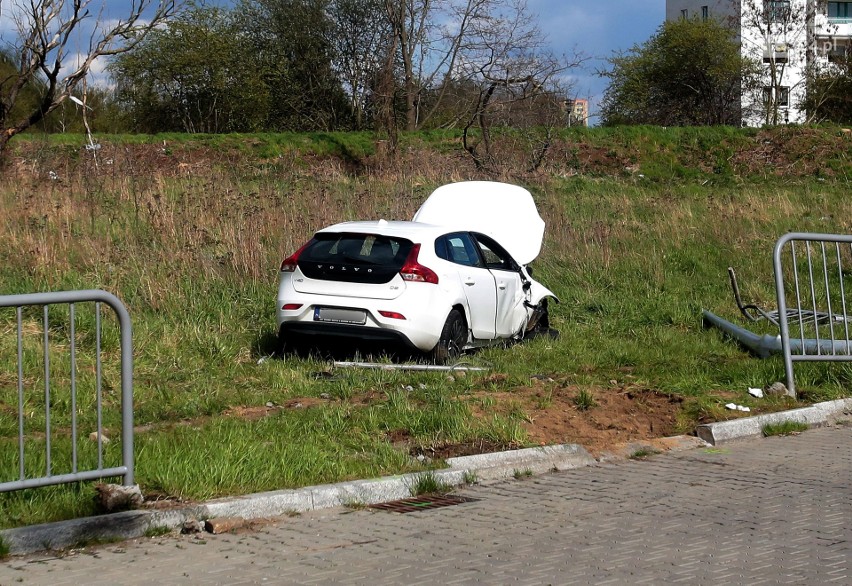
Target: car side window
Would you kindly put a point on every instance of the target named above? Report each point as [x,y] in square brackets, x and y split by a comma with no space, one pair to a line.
[495,255]
[459,249]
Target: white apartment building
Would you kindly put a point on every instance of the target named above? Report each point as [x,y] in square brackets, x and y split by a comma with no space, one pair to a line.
[787,37]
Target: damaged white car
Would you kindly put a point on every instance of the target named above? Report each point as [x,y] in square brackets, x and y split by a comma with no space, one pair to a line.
[453,278]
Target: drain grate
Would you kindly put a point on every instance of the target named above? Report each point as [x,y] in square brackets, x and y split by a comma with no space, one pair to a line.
[423,503]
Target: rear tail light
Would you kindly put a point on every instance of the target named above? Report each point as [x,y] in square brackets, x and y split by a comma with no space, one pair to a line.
[412,270]
[291,306]
[288,265]
[391,314]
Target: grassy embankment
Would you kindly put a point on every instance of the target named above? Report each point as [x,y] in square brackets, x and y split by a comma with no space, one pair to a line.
[189,231]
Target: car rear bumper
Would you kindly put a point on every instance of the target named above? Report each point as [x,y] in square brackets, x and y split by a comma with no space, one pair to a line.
[351,333]
[423,306]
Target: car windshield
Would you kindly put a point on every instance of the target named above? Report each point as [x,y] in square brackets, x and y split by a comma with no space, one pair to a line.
[364,258]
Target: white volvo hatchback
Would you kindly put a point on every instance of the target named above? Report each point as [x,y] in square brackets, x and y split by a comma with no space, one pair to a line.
[453,278]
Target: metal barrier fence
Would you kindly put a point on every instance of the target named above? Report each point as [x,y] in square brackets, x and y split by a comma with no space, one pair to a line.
[813,273]
[70,298]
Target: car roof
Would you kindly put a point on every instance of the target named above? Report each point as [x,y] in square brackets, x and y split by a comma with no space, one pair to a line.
[400,229]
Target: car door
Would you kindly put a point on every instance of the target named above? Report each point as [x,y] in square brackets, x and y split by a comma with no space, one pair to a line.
[477,282]
[510,313]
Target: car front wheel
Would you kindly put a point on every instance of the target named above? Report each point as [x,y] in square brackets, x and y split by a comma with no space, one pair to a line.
[453,338]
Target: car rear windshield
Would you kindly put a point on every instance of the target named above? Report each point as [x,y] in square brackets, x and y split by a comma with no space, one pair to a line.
[356,258]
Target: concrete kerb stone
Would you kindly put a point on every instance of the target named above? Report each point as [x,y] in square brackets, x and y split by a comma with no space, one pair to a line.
[498,466]
[815,415]
[504,465]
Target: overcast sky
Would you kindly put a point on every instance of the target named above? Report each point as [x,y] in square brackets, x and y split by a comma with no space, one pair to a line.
[597,28]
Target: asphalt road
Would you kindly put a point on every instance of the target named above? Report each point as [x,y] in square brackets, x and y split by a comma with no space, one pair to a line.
[769,511]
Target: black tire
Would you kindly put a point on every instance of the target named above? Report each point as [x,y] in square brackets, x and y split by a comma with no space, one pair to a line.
[541,326]
[289,345]
[453,338]
[283,344]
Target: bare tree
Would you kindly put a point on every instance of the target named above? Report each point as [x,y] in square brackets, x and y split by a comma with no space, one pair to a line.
[46,46]
[430,36]
[359,33]
[506,57]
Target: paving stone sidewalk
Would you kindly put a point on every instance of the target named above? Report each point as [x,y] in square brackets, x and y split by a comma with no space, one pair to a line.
[768,511]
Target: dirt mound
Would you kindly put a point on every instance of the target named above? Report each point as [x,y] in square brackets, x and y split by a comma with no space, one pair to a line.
[595,418]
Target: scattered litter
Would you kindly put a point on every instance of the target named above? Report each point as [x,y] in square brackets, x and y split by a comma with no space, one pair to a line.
[777,389]
[408,388]
[542,377]
[95,436]
[263,359]
[735,407]
[456,368]
[191,526]
[755,392]
[270,404]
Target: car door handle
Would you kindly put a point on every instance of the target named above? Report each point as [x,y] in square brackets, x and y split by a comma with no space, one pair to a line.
[470,281]
[502,286]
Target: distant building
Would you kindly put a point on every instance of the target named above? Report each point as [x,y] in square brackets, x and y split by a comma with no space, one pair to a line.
[788,37]
[577,112]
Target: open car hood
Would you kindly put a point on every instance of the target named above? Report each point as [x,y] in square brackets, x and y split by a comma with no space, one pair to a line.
[505,212]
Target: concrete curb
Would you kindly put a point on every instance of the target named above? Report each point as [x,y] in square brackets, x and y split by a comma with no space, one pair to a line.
[483,467]
[815,415]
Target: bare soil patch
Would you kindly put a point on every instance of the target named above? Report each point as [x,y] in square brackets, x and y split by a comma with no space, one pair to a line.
[548,411]
[552,415]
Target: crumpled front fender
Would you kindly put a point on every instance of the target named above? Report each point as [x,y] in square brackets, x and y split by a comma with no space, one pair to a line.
[537,291]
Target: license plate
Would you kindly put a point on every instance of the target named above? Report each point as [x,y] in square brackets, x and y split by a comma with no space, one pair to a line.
[340,315]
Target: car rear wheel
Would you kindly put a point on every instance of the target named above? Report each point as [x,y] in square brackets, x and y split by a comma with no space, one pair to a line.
[283,344]
[288,344]
[453,338]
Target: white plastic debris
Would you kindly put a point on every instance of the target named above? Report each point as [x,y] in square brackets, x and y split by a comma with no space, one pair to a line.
[731,406]
[735,407]
[743,408]
[755,392]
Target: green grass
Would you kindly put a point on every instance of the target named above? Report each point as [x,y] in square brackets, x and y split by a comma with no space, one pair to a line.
[191,239]
[157,531]
[584,400]
[429,484]
[784,428]
[643,453]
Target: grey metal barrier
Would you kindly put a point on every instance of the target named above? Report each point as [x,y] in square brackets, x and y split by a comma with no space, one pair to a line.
[812,277]
[75,474]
